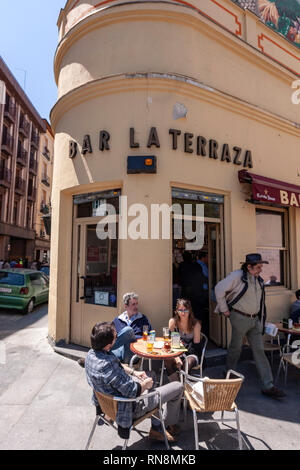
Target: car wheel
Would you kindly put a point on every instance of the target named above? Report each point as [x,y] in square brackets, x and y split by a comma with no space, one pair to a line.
[29,307]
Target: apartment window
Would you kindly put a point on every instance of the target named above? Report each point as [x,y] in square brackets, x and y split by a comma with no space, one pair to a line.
[272,243]
[15,213]
[29,216]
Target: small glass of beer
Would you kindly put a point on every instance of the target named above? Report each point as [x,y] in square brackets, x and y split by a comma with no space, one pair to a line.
[166,333]
[167,345]
[145,332]
[150,342]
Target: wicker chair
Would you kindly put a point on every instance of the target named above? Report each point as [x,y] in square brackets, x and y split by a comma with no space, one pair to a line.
[289,358]
[218,395]
[109,407]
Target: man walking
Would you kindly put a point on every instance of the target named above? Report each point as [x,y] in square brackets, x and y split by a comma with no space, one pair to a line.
[241,297]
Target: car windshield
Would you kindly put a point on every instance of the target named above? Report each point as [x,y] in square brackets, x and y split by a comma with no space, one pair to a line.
[11,278]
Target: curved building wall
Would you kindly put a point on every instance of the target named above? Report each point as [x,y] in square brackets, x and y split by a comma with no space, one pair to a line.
[130,67]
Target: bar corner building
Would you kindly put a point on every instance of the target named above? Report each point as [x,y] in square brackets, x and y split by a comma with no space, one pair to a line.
[162,103]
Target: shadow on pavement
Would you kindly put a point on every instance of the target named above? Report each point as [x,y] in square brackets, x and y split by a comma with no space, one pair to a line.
[12,321]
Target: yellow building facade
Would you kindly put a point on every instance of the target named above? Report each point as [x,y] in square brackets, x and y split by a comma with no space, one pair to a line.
[166,103]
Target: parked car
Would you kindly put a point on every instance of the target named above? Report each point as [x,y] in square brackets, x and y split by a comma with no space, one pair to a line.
[23,289]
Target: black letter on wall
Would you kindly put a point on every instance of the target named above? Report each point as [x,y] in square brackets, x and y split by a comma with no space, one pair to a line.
[238,151]
[188,142]
[175,133]
[132,143]
[201,144]
[86,145]
[72,149]
[213,147]
[248,159]
[103,141]
[153,138]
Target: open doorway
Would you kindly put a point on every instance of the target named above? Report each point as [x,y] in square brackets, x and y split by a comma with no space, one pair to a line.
[196,272]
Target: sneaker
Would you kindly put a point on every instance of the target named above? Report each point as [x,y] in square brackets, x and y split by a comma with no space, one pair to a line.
[81,362]
[274,392]
[155,435]
[174,429]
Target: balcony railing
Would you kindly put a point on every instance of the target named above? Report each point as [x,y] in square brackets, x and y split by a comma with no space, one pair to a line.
[46,153]
[33,165]
[5,177]
[20,185]
[46,180]
[35,139]
[7,143]
[10,111]
[31,193]
[24,126]
[22,155]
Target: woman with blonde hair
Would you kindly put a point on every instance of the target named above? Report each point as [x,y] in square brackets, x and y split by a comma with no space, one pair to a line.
[189,329]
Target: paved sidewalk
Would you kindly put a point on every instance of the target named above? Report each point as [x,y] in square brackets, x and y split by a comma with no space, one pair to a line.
[45,401]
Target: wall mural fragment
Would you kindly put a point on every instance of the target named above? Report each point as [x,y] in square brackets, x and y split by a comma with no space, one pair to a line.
[281,15]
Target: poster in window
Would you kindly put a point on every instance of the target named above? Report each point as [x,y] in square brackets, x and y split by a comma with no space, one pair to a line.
[101,298]
[93,254]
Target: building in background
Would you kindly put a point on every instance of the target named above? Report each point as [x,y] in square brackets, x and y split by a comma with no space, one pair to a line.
[20,130]
[44,187]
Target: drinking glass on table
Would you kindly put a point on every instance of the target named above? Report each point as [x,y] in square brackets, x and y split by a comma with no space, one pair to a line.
[150,342]
[166,333]
[145,332]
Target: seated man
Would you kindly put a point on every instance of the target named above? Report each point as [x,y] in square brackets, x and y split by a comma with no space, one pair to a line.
[107,375]
[295,308]
[129,327]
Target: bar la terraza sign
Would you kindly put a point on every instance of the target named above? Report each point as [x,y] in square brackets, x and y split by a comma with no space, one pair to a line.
[185,141]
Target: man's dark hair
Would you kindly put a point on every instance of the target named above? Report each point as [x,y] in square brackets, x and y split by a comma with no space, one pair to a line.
[102,335]
[297,293]
[245,266]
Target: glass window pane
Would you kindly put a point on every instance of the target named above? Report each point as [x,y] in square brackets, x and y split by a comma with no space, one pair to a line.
[100,285]
[273,273]
[269,229]
[210,210]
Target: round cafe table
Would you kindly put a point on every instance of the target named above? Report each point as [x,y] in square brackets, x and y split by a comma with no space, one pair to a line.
[288,331]
[139,348]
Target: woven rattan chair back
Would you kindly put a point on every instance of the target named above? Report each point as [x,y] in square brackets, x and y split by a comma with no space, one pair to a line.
[219,395]
[108,405]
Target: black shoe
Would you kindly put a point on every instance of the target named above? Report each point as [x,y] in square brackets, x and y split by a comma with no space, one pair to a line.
[81,362]
[274,392]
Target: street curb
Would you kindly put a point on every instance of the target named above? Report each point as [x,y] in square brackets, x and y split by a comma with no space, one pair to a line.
[70,351]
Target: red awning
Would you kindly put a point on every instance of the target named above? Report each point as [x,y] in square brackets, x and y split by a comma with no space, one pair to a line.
[271,191]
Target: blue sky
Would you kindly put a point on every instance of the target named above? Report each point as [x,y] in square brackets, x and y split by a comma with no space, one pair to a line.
[28,39]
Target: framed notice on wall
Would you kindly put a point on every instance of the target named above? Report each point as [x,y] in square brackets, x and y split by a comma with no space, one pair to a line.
[101,298]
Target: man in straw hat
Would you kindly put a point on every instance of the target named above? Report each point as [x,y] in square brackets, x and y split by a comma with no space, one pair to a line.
[241,298]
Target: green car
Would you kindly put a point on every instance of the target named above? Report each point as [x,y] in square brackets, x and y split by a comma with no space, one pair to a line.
[23,289]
